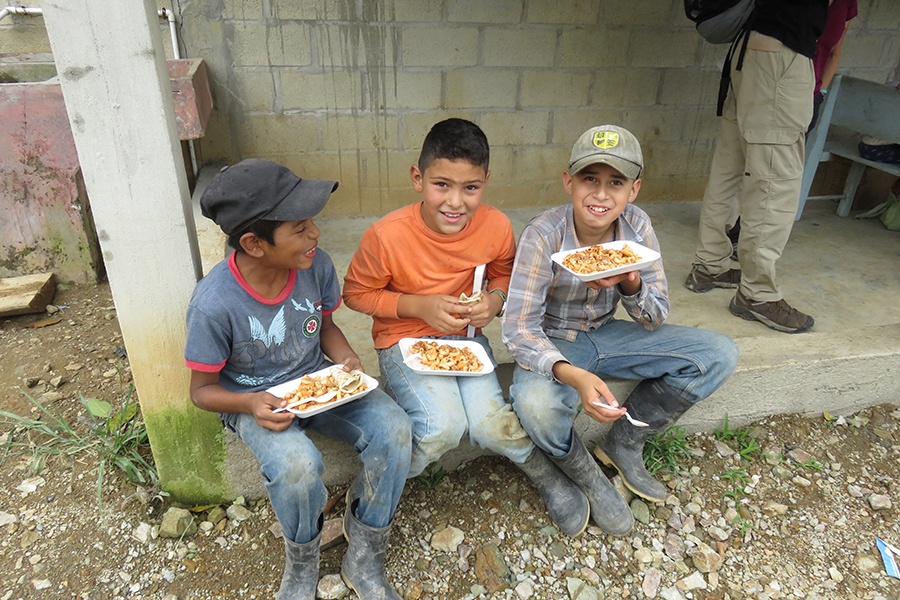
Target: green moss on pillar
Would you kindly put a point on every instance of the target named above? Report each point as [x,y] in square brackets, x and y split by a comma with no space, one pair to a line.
[189,451]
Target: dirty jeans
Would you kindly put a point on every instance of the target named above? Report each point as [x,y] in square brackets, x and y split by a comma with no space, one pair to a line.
[443,408]
[693,362]
[292,466]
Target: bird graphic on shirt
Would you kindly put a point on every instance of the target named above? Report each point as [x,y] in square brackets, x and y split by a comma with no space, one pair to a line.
[274,335]
[309,306]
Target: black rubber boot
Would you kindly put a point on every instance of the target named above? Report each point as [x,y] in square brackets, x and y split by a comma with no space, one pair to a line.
[363,566]
[608,509]
[656,404]
[301,569]
[567,504]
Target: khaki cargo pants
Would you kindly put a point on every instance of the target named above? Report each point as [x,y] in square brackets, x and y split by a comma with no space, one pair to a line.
[758,165]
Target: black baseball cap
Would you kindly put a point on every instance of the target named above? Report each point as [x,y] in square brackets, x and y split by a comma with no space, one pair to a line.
[256,189]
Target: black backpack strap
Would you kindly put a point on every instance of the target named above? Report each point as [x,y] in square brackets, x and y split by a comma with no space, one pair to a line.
[725,80]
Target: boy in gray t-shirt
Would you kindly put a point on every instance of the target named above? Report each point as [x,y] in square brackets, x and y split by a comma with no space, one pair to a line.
[263,317]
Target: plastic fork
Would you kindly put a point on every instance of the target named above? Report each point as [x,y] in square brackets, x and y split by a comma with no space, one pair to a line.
[631,420]
[477,284]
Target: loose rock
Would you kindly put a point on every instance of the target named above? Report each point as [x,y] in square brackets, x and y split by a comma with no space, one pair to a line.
[177,522]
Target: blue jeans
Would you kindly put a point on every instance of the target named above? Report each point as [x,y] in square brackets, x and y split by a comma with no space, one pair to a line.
[444,408]
[693,362]
[292,466]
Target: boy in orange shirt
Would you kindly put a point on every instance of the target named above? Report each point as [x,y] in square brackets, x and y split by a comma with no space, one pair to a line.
[408,273]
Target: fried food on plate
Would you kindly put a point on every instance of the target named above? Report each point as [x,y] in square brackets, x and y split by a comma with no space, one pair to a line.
[336,385]
[444,357]
[598,258]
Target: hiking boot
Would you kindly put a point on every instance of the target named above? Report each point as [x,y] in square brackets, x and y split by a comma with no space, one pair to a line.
[780,315]
[699,280]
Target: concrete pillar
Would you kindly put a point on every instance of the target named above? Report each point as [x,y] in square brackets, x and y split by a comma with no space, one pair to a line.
[111,65]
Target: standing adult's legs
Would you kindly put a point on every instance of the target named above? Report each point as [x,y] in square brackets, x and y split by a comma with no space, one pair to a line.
[720,207]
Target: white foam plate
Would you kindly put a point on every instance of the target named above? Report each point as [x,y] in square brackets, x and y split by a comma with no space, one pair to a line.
[287,387]
[645,257]
[412,359]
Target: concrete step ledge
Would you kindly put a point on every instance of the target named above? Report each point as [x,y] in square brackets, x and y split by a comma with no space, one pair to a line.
[839,372]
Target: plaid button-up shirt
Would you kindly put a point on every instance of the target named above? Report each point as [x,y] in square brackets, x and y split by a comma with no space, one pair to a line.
[546,301]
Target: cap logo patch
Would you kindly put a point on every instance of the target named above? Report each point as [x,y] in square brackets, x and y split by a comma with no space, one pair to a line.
[606,139]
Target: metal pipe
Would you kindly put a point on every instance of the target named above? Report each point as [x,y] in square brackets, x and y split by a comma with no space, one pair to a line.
[19,10]
[169,15]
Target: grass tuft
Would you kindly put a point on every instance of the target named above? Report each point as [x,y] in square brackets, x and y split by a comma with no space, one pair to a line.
[117,439]
[739,439]
[665,451]
[432,476]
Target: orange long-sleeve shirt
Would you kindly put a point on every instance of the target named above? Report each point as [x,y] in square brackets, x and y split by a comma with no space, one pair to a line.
[399,254]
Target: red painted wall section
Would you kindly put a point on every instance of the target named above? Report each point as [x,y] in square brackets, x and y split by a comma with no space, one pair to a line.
[45,222]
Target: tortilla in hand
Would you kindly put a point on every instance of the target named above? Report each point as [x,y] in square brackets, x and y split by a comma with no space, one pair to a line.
[469,300]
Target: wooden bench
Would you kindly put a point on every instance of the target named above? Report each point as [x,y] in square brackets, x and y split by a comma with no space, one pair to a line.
[855,107]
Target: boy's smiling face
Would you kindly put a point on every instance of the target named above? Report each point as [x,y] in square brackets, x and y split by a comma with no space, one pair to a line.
[451,193]
[599,195]
[295,245]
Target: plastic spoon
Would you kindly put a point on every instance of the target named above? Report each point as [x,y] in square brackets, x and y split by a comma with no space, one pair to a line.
[318,400]
[634,422]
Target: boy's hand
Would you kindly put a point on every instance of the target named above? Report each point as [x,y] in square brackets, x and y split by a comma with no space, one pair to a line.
[440,311]
[629,283]
[351,363]
[482,312]
[593,390]
[261,406]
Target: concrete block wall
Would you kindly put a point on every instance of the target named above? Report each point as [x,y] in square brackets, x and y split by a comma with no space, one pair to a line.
[347,89]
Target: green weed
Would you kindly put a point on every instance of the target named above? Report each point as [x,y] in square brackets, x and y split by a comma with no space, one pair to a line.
[742,525]
[432,476]
[736,476]
[738,479]
[117,438]
[778,459]
[812,464]
[665,451]
[740,440]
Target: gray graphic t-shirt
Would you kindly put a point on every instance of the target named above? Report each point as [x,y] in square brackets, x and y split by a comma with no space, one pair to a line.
[254,342]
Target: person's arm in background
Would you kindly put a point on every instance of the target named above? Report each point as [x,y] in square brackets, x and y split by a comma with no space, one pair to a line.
[833,60]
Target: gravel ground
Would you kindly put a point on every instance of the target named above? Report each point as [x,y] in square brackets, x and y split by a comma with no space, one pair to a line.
[796,519]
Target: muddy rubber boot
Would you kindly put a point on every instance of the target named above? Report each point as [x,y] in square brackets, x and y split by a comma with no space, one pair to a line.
[566,503]
[301,570]
[608,509]
[363,566]
[656,404]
